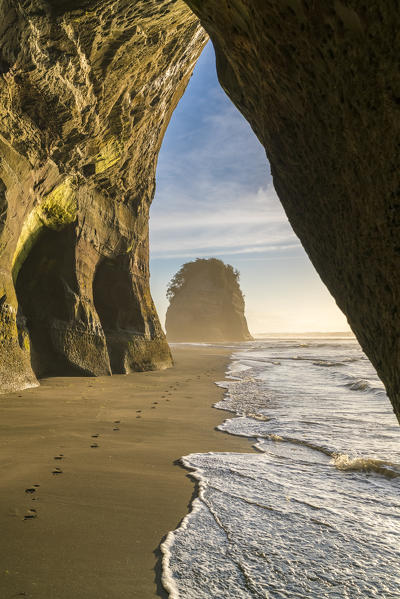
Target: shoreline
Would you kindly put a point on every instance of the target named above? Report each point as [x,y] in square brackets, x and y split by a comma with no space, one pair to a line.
[99,524]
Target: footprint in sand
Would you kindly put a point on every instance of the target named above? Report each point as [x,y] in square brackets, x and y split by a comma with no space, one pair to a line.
[155,403]
[30,490]
[59,457]
[138,416]
[95,436]
[94,445]
[57,471]
[138,411]
[31,514]
[116,428]
[117,421]
[35,487]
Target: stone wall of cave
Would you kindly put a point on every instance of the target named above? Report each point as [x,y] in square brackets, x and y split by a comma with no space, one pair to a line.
[87,89]
[319,82]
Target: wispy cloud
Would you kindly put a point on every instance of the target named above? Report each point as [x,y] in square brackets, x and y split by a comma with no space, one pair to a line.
[238,223]
[249,209]
[214,192]
[215,198]
[201,253]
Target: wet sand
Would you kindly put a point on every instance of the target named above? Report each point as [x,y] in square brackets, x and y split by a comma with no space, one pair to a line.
[88,484]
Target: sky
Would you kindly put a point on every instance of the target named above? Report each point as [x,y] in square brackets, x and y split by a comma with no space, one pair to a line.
[215,198]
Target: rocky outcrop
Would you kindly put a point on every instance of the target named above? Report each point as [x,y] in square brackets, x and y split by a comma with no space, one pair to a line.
[319,83]
[206,303]
[87,89]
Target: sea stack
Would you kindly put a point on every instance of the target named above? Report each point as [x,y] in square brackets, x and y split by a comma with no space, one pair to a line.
[206,303]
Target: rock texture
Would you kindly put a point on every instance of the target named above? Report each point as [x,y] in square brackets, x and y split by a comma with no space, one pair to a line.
[86,92]
[319,83]
[206,304]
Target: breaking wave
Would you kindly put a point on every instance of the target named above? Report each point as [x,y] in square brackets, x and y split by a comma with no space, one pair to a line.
[346,463]
[309,512]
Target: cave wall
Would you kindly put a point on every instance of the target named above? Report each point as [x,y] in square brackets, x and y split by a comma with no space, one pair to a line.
[87,89]
[319,82]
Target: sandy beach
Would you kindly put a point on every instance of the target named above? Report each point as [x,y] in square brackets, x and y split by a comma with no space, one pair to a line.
[89,483]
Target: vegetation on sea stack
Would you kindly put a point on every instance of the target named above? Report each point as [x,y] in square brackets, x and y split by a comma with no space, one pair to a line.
[216,269]
[206,303]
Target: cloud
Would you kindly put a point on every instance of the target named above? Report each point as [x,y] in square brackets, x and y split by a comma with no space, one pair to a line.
[238,223]
[200,253]
[214,193]
[215,197]
[218,209]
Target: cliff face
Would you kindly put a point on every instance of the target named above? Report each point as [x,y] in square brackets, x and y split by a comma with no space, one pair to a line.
[86,92]
[206,304]
[319,83]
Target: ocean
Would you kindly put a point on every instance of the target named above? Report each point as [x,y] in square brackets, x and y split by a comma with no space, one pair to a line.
[314,511]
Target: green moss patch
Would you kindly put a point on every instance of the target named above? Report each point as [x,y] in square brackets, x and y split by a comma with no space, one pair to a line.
[58,209]
[109,154]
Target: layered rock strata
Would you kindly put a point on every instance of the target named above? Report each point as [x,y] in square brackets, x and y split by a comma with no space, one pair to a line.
[86,92]
[206,304]
[319,83]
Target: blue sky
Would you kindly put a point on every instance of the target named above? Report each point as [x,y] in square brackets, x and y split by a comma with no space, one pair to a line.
[215,197]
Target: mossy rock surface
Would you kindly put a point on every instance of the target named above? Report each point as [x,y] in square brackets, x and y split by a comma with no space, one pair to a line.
[87,92]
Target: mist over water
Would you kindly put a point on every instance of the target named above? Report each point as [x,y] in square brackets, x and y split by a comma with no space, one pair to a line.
[316,511]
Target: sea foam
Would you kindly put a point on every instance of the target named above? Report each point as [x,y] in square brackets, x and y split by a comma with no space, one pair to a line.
[314,512]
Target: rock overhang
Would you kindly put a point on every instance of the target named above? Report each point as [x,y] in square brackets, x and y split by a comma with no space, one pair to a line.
[87,90]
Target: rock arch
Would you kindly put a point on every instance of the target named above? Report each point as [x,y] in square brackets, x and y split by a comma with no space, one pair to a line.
[318,82]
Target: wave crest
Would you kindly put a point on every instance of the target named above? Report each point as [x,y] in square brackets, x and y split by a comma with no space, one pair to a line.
[360,385]
[326,363]
[345,463]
